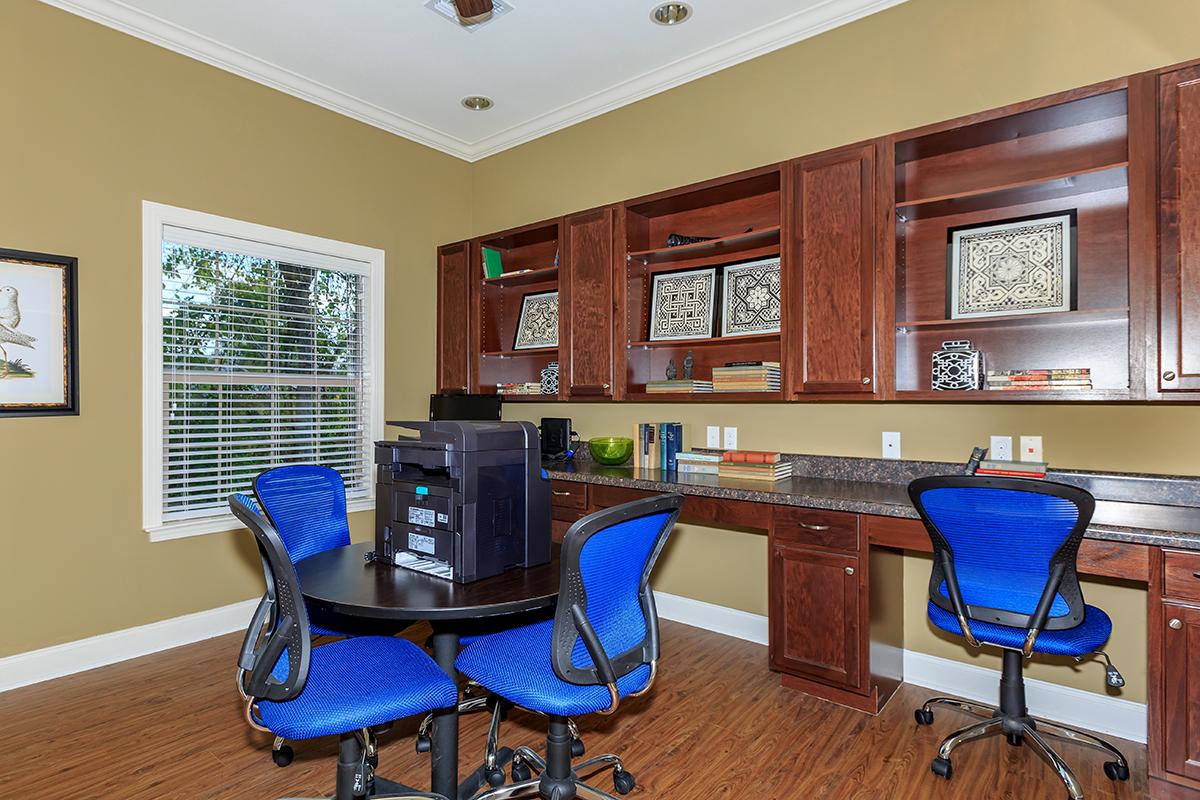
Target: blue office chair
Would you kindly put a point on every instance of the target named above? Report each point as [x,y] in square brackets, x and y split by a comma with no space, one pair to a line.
[348,687]
[601,646]
[1004,553]
[306,504]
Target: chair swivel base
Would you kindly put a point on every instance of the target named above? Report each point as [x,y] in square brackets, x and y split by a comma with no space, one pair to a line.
[1013,720]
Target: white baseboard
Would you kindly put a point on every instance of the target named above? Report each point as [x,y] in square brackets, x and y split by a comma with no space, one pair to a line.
[1094,712]
[35,666]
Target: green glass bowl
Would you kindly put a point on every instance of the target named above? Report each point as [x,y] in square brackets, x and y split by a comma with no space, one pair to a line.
[611,450]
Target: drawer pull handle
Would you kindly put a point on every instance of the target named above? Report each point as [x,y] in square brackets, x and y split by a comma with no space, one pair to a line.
[849,570]
[806,526]
[1175,624]
[560,494]
[1196,575]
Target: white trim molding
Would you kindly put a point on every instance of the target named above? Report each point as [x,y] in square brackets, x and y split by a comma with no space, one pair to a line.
[797,27]
[1089,710]
[60,660]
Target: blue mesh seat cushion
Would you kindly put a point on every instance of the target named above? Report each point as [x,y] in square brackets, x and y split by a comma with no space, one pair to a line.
[359,683]
[517,666]
[1087,637]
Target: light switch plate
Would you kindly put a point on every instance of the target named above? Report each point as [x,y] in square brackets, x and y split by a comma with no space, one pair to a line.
[891,444]
[1001,448]
[1031,448]
[730,439]
[714,437]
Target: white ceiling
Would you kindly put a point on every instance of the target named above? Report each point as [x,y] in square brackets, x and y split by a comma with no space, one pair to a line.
[402,67]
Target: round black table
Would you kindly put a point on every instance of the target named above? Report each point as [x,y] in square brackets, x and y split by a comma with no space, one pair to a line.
[340,585]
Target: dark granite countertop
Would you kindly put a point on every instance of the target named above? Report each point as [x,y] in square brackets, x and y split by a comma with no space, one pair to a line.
[1172,520]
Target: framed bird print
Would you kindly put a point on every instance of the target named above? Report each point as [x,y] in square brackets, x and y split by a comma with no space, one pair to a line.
[38,369]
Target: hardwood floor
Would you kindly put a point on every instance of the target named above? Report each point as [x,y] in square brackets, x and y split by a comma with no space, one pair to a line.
[716,725]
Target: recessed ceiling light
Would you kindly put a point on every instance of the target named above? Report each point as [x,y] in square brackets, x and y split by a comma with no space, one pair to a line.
[478,102]
[671,13]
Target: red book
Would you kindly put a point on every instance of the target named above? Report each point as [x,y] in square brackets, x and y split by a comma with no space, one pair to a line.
[1010,473]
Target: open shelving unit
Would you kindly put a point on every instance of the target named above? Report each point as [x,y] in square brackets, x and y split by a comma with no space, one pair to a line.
[530,258]
[1040,159]
[743,215]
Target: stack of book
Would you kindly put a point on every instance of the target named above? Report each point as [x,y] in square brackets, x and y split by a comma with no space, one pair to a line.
[750,465]
[699,463]
[1012,469]
[656,446]
[678,387]
[531,387]
[1039,380]
[747,376]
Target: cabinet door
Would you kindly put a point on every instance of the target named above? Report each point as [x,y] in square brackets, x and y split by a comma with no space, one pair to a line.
[587,289]
[453,335]
[815,621]
[1180,673]
[832,345]
[1179,257]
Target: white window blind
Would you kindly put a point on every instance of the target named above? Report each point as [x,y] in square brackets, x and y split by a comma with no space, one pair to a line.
[266,359]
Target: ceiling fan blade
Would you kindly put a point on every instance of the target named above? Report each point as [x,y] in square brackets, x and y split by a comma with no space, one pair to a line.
[469,9]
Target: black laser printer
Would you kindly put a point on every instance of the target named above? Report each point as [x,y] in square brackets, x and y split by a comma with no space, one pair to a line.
[462,500]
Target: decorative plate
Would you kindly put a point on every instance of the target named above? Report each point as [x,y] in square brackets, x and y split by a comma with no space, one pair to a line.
[538,326]
[752,298]
[683,304]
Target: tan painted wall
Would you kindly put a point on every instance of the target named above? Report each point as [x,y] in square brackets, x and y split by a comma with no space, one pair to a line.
[921,62]
[96,122]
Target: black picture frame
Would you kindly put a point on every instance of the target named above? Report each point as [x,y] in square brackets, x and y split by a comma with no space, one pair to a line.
[70,265]
[1072,260]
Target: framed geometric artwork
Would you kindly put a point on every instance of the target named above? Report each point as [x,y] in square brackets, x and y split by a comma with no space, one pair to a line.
[1016,266]
[38,334]
[682,305]
[751,298]
[538,325]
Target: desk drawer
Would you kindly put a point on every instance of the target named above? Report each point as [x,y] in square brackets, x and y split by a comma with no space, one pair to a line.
[834,530]
[565,494]
[1181,576]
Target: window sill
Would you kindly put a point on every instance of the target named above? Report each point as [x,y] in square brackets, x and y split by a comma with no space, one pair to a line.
[185,529]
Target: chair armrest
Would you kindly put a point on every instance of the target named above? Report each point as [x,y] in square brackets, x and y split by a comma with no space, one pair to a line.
[1042,612]
[260,678]
[956,599]
[591,641]
[250,652]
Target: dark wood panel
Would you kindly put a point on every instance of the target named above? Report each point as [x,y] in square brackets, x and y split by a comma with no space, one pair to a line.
[588,291]
[569,494]
[1181,576]
[834,530]
[1179,260]
[453,326]
[700,510]
[815,617]
[833,266]
[1181,690]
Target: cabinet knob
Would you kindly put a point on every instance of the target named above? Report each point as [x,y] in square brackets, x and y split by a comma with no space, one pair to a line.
[604,385]
[849,570]
[866,381]
[1175,624]
[1168,375]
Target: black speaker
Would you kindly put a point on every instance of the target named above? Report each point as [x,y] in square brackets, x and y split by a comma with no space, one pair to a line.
[556,437]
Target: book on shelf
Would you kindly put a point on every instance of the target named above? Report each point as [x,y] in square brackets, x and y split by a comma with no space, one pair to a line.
[1010,473]
[750,457]
[493,264]
[1015,380]
[732,364]
[755,472]
[1023,373]
[679,387]
[656,446]
[1039,386]
[699,469]
[692,455]
[1014,469]
[531,387]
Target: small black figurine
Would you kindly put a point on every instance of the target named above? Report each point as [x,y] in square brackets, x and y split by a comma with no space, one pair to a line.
[688,363]
[672,372]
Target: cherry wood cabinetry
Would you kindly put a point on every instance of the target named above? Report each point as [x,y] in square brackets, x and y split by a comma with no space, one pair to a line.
[1181,690]
[832,346]
[1179,256]
[453,323]
[587,302]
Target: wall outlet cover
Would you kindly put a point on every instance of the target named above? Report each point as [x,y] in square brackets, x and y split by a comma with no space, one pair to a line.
[713,440]
[730,440]
[1000,448]
[1031,448]
[891,444]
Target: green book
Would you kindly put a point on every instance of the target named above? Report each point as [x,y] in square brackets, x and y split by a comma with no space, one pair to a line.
[493,267]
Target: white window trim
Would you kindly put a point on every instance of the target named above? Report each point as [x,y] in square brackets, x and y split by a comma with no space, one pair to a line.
[155,216]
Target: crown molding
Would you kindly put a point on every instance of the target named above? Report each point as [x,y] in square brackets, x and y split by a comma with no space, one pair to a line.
[789,30]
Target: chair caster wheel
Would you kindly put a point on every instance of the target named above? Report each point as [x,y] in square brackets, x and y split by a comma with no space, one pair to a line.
[520,772]
[424,744]
[1015,739]
[577,748]
[284,755]
[923,717]
[495,777]
[623,781]
[1115,771]
[942,768]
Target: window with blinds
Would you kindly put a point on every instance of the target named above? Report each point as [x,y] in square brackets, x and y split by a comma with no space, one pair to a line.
[265,360]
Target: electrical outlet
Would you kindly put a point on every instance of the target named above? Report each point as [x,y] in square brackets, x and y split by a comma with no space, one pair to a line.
[730,439]
[714,437]
[891,444]
[1000,448]
[1031,448]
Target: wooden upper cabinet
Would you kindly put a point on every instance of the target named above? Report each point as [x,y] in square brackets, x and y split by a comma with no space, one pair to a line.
[1179,232]
[587,302]
[453,335]
[831,338]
